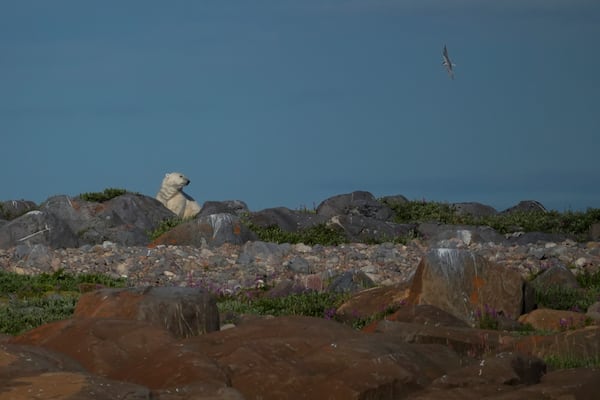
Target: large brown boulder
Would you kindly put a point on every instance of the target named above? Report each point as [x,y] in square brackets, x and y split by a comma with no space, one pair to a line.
[126,350]
[313,358]
[466,285]
[31,372]
[182,311]
[572,345]
[554,320]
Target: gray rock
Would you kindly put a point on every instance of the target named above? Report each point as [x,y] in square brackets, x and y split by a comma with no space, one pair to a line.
[12,209]
[474,209]
[125,219]
[286,288]
[538,237]
[467,234]
[210,230]
[358,228]
[357,203]
[593,312]
[287,220]
[37,255]
[235,207]
[526,206]
[37,227]
[298,265]
[555,276]
[350,282]
[395,200]
[267,252]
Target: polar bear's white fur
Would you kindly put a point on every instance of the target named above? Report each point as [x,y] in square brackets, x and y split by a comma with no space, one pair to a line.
[174,198]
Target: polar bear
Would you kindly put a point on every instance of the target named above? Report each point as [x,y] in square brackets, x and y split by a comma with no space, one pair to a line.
[174,198]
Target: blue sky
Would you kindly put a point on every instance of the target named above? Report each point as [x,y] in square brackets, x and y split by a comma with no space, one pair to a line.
[286,103]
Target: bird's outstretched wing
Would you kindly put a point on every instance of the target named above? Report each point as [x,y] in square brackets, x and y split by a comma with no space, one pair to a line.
[447,63]
[446,57]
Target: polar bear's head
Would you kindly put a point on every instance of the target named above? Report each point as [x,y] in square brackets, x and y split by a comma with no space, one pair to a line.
[175,180]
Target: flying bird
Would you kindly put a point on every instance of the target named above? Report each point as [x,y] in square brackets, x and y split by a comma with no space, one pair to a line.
[447,63]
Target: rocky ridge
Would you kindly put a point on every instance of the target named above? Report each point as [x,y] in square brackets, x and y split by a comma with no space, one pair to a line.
[163,338]
[232,267]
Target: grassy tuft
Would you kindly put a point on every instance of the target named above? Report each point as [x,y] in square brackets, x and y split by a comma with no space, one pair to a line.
[99,197]
[313,304]
[29,301]
[563,298]
[318,234]
[572,223]
[567,362]
[164,226]
[574,299]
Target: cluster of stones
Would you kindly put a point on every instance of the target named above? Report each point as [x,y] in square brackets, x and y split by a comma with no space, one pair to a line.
[231,267]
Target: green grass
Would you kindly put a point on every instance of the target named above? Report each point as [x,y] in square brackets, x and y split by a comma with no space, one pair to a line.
[589,280]
[422,211]
[566,362]
[576,223]
[30,301]
[20,315]
[564,298]
[165,226]
[318,234]
[313,304]
[99,197]
[26,286]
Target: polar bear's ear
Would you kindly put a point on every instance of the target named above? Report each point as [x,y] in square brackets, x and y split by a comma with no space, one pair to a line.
[167,174]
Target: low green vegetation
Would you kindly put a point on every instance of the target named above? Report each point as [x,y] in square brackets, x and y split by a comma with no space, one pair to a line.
[318,234]
[422,211]
[313,304]
[99,197]
[165,226]
[29,301]
[563,298]
[555,362]
[556,298]
[576,223]
[575,299]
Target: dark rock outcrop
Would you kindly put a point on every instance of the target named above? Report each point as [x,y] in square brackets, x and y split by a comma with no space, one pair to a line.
[62,222]
[35,228]
[526,206]
[235,207]
[367,230]
[11,209]
[287,220]
[442,235]
[474,209]
[212,230]
[357,203]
